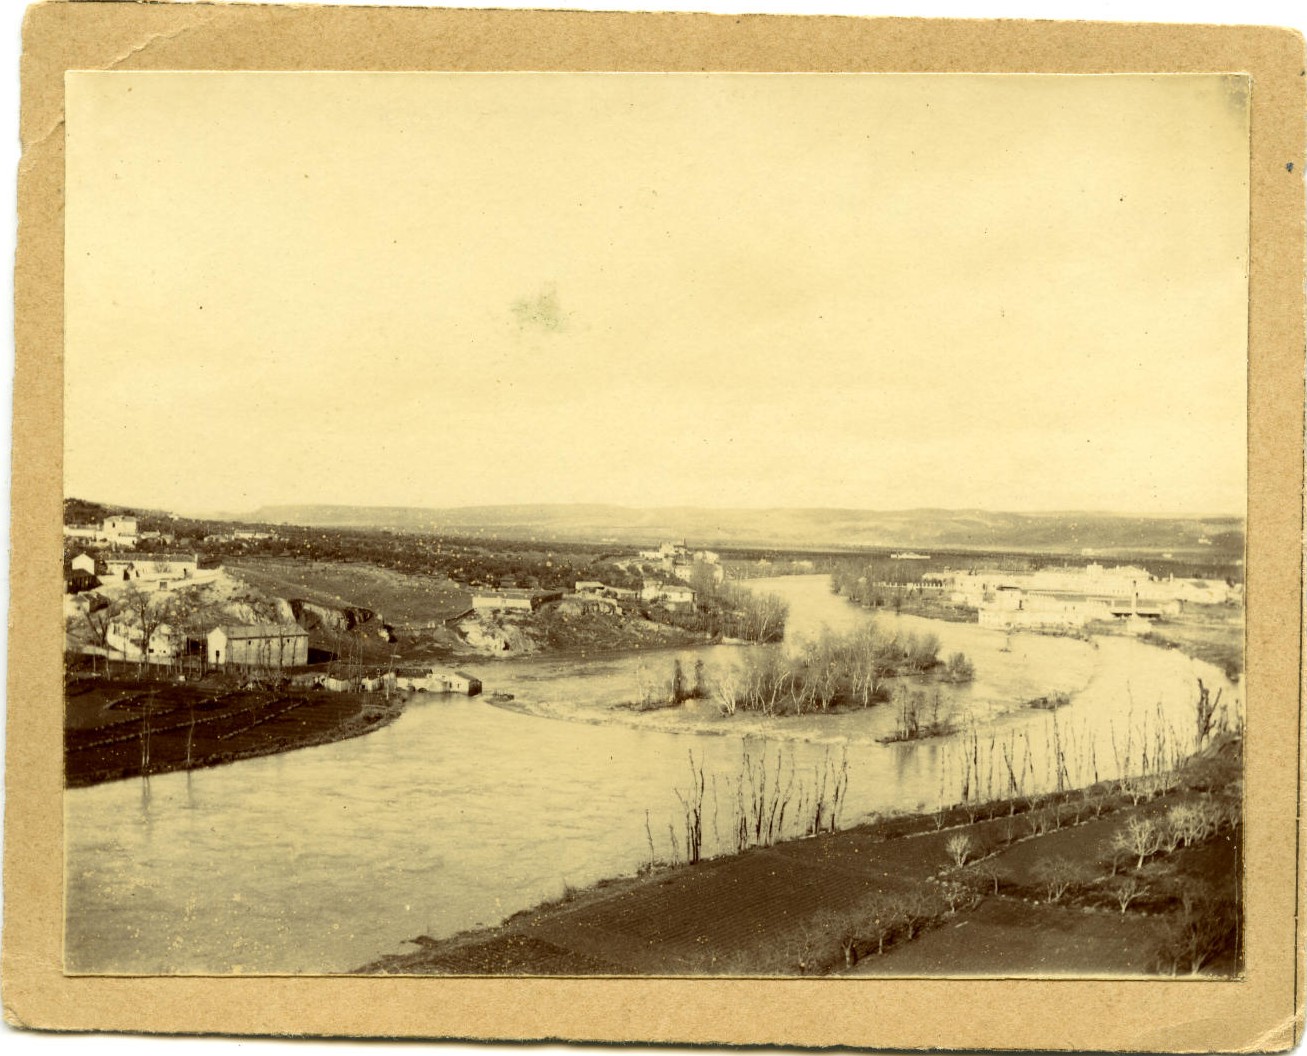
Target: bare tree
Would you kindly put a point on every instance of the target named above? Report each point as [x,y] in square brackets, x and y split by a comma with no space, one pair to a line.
[1142,837]
[1127,889]
[147,613]
[1057,875]
[959,847]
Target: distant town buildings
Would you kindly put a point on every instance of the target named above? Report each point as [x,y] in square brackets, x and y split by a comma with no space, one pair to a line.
[1072,597]
[117,530]
[240,535]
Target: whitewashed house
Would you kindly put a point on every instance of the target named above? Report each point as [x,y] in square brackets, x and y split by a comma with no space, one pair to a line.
[125,636]
[119,530]
[258,645]
[437,680]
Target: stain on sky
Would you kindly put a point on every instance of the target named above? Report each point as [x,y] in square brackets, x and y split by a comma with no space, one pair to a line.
[541,312]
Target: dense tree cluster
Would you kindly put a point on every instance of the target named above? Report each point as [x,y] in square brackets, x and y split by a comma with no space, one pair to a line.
[878,583]
[834,671]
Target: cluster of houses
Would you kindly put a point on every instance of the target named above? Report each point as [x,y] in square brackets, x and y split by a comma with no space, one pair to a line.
[1073,597]
[592,595]
[157,571]
[240,535]
[117,530]
[397,680]
[677,560]
[277,647]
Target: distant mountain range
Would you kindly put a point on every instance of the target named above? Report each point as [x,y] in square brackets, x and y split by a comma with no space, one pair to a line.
[795,528]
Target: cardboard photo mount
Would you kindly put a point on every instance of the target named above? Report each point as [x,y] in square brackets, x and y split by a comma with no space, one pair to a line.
[1262,1012]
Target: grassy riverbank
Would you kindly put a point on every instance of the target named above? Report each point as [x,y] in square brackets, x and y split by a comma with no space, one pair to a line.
[126,727]
[1124,878]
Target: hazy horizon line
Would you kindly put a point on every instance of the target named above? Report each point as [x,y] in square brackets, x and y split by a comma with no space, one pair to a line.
[232,514]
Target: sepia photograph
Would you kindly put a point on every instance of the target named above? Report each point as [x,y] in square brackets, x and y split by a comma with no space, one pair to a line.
[587,524]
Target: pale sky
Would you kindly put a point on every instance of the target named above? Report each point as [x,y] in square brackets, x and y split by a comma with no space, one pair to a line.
[1008,292]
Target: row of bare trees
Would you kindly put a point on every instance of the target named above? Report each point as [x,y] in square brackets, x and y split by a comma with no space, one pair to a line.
[769,798]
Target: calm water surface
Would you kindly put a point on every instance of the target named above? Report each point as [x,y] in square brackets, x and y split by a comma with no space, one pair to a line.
[461,812]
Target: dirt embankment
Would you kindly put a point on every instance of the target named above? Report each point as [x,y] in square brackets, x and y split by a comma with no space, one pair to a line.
[122,727]
[1042,886]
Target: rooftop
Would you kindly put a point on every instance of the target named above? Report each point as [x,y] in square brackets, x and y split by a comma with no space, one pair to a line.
[263,630]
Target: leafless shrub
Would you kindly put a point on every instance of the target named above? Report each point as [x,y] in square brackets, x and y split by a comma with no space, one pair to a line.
[1185,823]
[1119,848]
[957,895]
[1143,837]
[986,875]
[839,931]
[1126,890]
[916,908]
[878,918]
[692,805]
[1205,927]
[1205,708]
[959,847]
[1057,875]
[807,951]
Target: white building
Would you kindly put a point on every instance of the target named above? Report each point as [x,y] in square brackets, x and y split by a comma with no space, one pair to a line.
[513,600]
[84,562]
[125,636]
[258,645]
[438,680]
[119,530]
[673,595]
[151,568]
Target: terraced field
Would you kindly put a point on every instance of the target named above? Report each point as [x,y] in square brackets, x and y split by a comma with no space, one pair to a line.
[400,599]
[891,898]
[118,728]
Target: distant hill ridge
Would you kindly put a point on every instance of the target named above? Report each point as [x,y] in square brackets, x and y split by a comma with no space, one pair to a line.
[796,527]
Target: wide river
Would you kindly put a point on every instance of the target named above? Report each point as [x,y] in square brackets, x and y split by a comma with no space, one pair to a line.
[463,812]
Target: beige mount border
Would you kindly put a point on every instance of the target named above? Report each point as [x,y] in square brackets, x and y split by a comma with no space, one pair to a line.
[1259,1013]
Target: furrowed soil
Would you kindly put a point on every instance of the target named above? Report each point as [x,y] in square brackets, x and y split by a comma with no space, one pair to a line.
[804,907]
[119,727]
